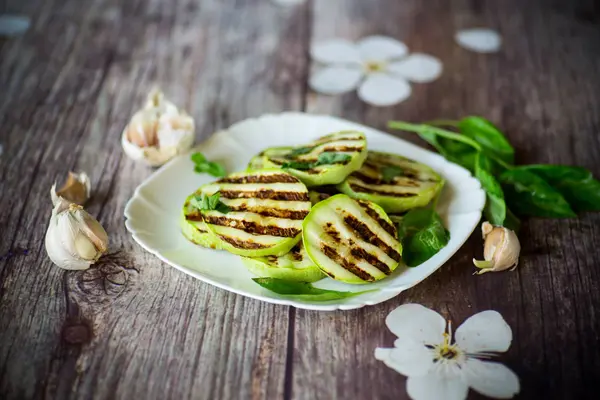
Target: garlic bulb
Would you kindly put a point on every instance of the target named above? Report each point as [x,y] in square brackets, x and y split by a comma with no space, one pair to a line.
[158,132]
[76,189]
[74,239]
[501,249]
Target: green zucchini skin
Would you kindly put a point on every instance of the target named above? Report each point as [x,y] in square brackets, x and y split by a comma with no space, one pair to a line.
[266,212]
[195,230]
[352,143]
[351,241]
[292,266]
[415,187]
[258,161]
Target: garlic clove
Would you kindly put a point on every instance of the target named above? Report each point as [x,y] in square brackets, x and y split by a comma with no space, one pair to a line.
[501,249]
[74,239]
[158,132]
[76,189]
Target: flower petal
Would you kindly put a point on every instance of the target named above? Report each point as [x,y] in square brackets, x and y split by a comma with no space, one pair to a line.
[381,48]
[335,80]
[409,358]
[417,67]
[336,51]
[435,387]
[491,379]
[479,40]
[417,323]
[484,331]
[384,90]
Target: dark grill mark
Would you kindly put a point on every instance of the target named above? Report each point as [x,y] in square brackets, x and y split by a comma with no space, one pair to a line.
[371,259]
[271,212]
[362,189]
[389,228]
[343,149]
[252,227]
[241,244]
[366,179]
[193,217]
[295,253]
[329,139]
[277,178]
[368,236]
[335,235]
[354,269]
[265,194]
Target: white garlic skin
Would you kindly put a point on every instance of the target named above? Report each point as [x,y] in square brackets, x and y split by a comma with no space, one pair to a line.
[76,190]
[74,239]
[501,249]
[158,132]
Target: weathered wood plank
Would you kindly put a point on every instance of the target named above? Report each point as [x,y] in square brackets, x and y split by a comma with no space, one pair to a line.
[144,331]
[551,301]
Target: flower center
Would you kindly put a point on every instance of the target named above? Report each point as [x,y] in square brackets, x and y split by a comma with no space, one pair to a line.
[374,66]
[445,351]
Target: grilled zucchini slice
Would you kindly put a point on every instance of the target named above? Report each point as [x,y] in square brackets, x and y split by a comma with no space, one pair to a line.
[258,161]
[351,241]
[410,184]
[266,212]
[293,266]
[194,228]
[349,146]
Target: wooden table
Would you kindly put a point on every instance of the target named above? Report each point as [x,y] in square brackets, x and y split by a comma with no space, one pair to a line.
[68,87]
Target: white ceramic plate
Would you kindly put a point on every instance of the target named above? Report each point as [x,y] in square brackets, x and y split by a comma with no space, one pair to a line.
[152,213]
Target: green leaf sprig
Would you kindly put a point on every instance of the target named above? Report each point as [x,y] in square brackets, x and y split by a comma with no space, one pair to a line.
[422,234]
[543,190]
[209,203]
[323,159]
[203,166]
[389,172]
[303,290]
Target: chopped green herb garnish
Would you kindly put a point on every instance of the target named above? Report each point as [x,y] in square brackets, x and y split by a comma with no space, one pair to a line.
[390,172]
[208,203]
[202,165]
[323,159]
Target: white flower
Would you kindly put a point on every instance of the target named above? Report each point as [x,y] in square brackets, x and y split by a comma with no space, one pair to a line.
[479,40]
[439,367]
[378,66]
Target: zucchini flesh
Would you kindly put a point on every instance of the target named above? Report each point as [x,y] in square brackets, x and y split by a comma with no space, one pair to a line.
[415,185]
[292,266]
[352,143]
[266,212]
[258,161]
[194,229]
[351,241]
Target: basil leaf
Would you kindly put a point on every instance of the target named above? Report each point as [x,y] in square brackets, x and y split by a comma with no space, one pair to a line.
[299,151]
[390,172]
[302,290]
[576,184]
[299,165]
[202,165]
[530,195]
[422,234]
[495,206]
[208,203]
[488,136]
[333,158]
[198,158]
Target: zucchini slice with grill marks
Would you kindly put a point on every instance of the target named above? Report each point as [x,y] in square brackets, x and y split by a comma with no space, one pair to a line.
[258,161]
[325,161]
[292,266]
[266,209]
[351,241]
[194,229]
[394,182]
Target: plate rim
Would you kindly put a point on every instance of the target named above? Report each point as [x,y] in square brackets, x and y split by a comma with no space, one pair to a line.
[390,292]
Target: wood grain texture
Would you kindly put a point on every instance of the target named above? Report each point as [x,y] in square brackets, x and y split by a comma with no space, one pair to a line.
[135,328]
[71,83]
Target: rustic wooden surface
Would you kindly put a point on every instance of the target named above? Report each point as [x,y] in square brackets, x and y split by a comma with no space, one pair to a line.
[67,88]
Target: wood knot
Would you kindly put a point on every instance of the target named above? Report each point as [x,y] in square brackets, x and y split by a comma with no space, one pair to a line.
[109,277]
[76,334]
